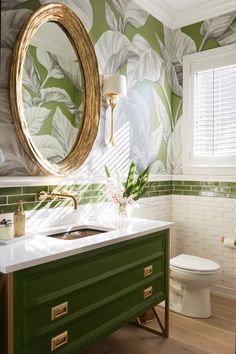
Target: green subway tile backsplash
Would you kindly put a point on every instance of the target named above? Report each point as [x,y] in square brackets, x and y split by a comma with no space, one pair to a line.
[204,188]
[96,192]
[3,200]
[34,189]
[10,191]
[26,198]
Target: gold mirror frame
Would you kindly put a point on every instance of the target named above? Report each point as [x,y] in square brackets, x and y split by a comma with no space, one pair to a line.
[80,40]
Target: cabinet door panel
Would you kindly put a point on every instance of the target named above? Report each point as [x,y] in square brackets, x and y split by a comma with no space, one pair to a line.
[107,318]
[103,289]
[48,282]
[37,320]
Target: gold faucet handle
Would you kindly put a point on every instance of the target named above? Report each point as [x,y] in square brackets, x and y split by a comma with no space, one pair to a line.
[42,195]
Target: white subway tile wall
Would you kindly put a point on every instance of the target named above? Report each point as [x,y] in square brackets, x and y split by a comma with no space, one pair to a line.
[200,223]
[157,208]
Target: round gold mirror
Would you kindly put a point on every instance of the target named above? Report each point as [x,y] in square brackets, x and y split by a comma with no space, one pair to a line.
[55,90]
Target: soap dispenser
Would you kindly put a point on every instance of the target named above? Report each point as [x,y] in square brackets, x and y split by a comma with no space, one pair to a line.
[19,220]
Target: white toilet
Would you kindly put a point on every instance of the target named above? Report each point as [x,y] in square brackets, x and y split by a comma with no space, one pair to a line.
[190,280]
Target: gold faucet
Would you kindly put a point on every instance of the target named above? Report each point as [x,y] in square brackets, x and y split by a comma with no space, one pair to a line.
[61,195]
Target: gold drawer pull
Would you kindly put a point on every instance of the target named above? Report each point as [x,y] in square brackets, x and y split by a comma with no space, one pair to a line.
[147,292]
[147,271]
[59,311]
[59,341]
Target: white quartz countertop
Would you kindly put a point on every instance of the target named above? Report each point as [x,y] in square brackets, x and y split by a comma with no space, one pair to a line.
[36,248]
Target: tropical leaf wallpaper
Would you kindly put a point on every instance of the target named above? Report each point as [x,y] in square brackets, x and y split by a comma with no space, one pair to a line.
[148,122]
[52,96]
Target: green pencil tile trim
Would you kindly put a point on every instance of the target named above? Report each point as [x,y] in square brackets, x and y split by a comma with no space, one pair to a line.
[181,187]
[177,182]
[96,192]
[192,183]
[153,194]
[190,193]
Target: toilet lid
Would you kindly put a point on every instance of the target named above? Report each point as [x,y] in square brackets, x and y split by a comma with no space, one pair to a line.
[186,261]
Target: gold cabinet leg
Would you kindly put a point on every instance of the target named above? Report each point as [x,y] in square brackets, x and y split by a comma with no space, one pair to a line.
[164,328]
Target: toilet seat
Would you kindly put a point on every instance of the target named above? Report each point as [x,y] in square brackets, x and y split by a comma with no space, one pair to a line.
[193,264]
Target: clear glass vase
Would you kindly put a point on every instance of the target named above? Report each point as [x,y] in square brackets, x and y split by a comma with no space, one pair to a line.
[122,210]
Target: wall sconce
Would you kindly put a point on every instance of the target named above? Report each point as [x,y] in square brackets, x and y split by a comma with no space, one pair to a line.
[113,85]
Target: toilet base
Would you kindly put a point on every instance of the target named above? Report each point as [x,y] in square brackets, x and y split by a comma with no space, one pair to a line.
[195,303]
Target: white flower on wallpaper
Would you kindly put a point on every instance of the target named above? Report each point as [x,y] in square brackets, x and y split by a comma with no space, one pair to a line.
[129,12]
[48,61]
[36,96]
[221,28]
[14,160]
[70,70]
[144,69]
[113,50]
[32,81]
[63,131]
[146,64]
[171,73]
[5,74]
[49,147]
[175,149]
[55,94]
[2,158]
[5,107]
[82,8]
[163,116]
[177,45]
[35,117]
[12,22]
[146,129]
[6,4]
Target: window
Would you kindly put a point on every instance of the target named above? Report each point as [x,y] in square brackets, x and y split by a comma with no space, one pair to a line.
[210,111]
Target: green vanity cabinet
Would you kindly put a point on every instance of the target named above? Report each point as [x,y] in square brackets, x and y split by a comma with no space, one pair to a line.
[65,305]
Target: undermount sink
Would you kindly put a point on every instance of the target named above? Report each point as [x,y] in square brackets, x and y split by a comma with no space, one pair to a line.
[75,232]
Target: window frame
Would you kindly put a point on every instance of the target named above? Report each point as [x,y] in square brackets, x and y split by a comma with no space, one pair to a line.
[209,59]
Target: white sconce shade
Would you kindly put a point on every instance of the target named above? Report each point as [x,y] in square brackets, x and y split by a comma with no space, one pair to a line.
[114,84]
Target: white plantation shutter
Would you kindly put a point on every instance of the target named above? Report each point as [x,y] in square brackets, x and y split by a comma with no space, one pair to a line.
[209,112]
[215,112]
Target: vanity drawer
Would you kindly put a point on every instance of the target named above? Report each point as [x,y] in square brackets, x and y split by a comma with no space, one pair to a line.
[38,319]
[55,279]
[92,326]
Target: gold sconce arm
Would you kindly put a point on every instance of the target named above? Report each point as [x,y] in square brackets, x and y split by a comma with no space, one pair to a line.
[113,85]
[112,103]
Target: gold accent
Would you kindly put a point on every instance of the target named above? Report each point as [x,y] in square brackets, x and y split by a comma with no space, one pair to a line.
[147,292]
[59,311]
[61,195]
[19,220]
[112,97]
[86,56]
[59,341]
[148,271]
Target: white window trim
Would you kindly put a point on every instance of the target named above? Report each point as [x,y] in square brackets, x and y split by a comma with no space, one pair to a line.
[208,59]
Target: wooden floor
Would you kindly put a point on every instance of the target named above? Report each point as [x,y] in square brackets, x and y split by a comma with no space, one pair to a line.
[215,335]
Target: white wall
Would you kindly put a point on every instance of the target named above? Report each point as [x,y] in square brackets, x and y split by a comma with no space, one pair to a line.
[200,222]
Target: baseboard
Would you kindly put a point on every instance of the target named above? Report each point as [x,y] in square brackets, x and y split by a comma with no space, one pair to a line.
[229,293]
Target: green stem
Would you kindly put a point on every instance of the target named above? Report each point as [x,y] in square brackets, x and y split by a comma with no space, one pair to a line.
[203,42]
[168,104]
[178,110]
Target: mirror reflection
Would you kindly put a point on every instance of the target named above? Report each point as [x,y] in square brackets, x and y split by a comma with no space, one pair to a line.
[52,92]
